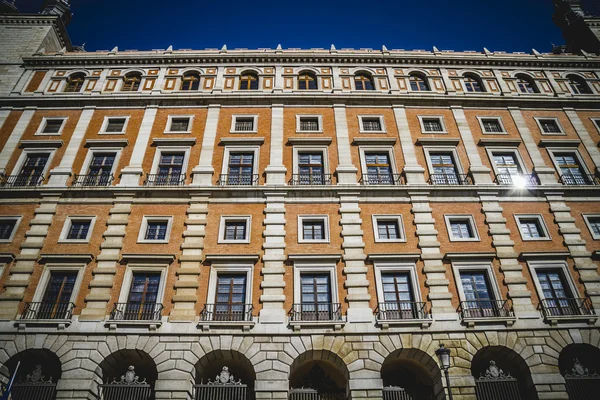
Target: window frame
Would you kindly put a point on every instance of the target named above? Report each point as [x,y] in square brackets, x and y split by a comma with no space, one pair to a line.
[45,278]
[474,77]
[596,122]
[222,224]
[370,79]
[310,74]
[401,231]
[229,268]
[144,228]
[323,267]
[44,122]
[23,157]
[131,269]
[440,118]
[313,217]
[423,78]
[581,162]
[67,227]
[306,149]
[373,149]
[169,125]
[402,267]
[85,167]
[131,74]
[240,149]
[493,149]
[319,118]
[560,265]
[254,123]
[589,226]
[448,218]
[374,116]
[106,121]
[558,124]
[474,266]
[499,119]
[17,219]
[249,72]
[170,149]
[541,223]
[443,149]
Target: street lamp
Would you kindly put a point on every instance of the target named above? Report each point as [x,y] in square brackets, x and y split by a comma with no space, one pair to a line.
[443,355]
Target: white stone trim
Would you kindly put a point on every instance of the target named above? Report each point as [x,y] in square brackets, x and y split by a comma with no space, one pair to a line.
[44,122]
[85,167]
[486,267]
[45,278]
[316,149]
[319,118]
[67,227]
[541,222]
[443,149]
[315,267]
[499,119]
[168,127]
[562,265]
[381,149]
[555,119]
[387,266]
[440,118]
[468,217]
[23,157]
[240,149]
[520,164]
[107,118]
[381,123]
[587,222]
[16,218]
[130,269]
[170,149]
[401,232]
[226,218]
[324,218]
[254,123]
[216,269]
[144,228]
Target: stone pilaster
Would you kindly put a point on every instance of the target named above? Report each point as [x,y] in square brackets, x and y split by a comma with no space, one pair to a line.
[435,272]
[509,264]
[100,82]
[354,259]
[275,170]
[585,137]
[346,171]
[15,137]
[188,274]
[4,113]
[108,259]
[160,81]
[337,80]
[25,261]
[218,88]
[447,82]
[412,170]
[273,271]
[480,173]
[131,174]
[203,172]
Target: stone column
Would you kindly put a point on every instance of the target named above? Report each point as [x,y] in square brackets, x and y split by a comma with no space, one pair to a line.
[160,81]
[413,171]
[15,137]
[108,259]
[25,261]
[509,264]
[544,173]
[218,88]
[584,135]
[346,171]
[480,173]
[276,170]
[502,83]
[101,82]
[558,92]
[188,274]
[130,175]
[278,85]
[394,89]
[337,80]
[273,271]
[434,269]
[60,175]
[203,172]
[447,82]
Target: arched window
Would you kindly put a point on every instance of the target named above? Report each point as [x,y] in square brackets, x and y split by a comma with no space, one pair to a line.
[418,83]
[363,82]
[526,84]
[578,85]
[248,81]
[307,81]
[75,83]
[473,84]
[131,82]
[190,81]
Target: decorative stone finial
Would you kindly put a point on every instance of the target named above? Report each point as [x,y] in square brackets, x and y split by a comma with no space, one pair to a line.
[486,51]
[333,49]
[435,49]
[223,49]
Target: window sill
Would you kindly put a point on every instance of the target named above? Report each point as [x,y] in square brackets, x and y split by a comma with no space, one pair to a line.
[335,325]
[386,324]
[471,322]
[556,319]
[245,241]
[150,325]
[74,241]
[59,324]
[244,325]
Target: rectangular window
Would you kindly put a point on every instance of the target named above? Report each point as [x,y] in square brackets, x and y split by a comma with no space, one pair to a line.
[316,302]
[235,230]
[593,223]
[7,228]
[371,124]
[310,168]
[230,301]
[57,296]
[432,125]
[461,228]
[556,292]
[179,124]
[309,124]
[532,227]
[549,125]
[444,171]
[115,125]
[379,169]
[102,164]
[79,229]
[52,126]
[388,228]
[143,297]
[244,124]
[571,170]
[596,122]
[492,125]
[155,229]
[506,163]
[313,230]
[479,300]
[170,167]
[240,168]
[32,170]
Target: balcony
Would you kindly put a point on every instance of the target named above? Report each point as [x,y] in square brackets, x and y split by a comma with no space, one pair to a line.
[316,314]
[238,180]
[145,314]
[164,180]
[310,179]
[381,179]
[569,309]
[402,313]
[46,313]
[517,180]
[486,311]
[93,180]
[22,181]
[450,179]
[579,180]
[226,315]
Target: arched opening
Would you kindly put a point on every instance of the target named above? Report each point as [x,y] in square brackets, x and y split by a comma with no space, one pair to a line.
[418,83]
[128,374]
[362,81]
[190,81]
[580,365]
[319,375]
[249,81]
[39,371]
[473,84]
[411,374]
[501,374]
[75,83]
[131,82]
[578,85]
[307,81]
[526,84]
[224,375]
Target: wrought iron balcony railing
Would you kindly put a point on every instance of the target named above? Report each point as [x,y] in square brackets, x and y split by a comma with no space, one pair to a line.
[517,180]
[47,310]
[567,307]
[313,394]
[136,312]
[578,180]
[164,180]
[309,126]
[371,126]
[316,312]
[310,179]
[244,126]
[381,179]
[23,180]
[485,309]
[238,180]
[401,310]
[227,312]
[92,180]
[450,179]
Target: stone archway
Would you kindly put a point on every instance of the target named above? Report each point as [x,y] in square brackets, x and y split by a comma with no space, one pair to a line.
[38,373]
[411,374]
[223,375]
[316,375]
[580,365]
[128,374]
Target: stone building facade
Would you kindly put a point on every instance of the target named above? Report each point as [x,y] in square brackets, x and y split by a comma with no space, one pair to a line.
[317,221]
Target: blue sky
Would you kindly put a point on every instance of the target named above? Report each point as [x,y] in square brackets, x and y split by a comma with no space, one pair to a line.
[499,25]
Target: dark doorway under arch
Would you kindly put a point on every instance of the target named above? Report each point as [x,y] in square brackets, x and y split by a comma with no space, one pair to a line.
[224,375]
[39,371]
[318,376]
[580,365]
[128,374]
[411,374]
